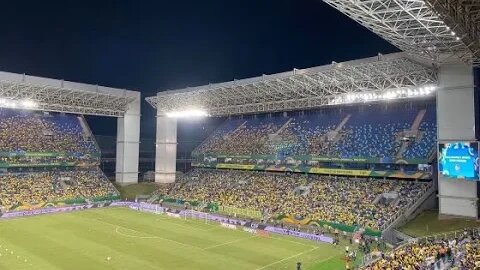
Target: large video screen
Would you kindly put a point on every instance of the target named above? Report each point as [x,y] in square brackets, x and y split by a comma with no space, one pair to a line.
[458,160]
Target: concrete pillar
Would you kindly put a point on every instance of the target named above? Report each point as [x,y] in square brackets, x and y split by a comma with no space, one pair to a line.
[166,149]
[128,144]
[456,122]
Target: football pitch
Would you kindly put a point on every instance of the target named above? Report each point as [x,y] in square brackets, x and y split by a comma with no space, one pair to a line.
[120,238]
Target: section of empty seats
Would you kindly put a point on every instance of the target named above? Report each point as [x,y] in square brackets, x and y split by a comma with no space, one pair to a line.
[422,143]
[375,132]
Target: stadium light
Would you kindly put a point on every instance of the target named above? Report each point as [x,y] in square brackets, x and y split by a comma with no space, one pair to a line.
[24,104]
[187,113]
[29,104]
[385,95]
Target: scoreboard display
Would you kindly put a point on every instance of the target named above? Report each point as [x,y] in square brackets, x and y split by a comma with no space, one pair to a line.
[458,160]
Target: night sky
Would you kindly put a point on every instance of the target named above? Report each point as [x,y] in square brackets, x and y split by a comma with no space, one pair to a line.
[151,46]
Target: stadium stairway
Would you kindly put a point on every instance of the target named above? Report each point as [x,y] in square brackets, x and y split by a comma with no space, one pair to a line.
[238,128]
[284,126]
[87,132]
[333,136]
[426,201]
[413,132]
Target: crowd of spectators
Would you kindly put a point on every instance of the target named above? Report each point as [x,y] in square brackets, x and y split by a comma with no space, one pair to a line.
[366,134]
[38,188]
[250,137]
[332,199]
[48,158]
[459,253]
[24,131]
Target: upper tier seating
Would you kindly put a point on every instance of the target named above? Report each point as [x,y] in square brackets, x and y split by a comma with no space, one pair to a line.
[369,132]
[24,131]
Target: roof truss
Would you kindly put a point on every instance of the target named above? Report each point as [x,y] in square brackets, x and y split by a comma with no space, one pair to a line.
[437,30]
[69,100]
[300,89]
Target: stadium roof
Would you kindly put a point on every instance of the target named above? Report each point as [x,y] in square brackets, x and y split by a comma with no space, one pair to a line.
[438,30]
[301,88]
[65,96]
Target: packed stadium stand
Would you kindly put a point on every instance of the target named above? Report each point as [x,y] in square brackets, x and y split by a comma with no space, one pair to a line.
[368,203]
[48,159]
[459,252]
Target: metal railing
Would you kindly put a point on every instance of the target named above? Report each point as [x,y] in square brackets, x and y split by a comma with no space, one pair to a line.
[414,204]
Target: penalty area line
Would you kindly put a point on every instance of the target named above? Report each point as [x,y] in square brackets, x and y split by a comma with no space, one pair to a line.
[150,237]
[230,242]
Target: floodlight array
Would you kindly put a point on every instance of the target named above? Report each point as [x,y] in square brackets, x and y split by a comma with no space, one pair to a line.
[384,95]
[32,95]
[20,104]
[194,113]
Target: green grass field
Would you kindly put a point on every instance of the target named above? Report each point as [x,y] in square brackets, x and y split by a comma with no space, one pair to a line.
[428,223]
[136,240]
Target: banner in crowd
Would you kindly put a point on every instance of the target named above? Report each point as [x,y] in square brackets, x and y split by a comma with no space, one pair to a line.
[62,203]
[41,154]
[22,159]
[273,159]
[15,214]
[419,174]
[340,172]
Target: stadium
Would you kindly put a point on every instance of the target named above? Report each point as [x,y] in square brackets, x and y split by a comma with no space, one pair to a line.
[371,163]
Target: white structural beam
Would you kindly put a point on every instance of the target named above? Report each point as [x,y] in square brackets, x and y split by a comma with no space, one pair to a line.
[65,96]
[456,122]
[128,144]
[165,149]
[437,30]
[300,88]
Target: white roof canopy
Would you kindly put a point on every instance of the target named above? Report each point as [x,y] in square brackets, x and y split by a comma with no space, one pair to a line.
[437,30]
[301,88]
[65,96]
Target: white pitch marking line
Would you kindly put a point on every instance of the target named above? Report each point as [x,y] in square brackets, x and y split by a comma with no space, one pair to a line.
[151,237]
[320,261]
[185,226]
[288,258]
[230,242]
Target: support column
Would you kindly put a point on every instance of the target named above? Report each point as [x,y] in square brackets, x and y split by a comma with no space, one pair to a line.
[128,144]
[456,121]
[166,149]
